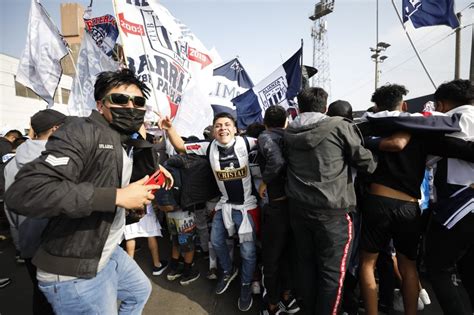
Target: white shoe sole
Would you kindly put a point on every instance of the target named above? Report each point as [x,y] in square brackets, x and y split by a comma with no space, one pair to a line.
[228,282]
[249,307]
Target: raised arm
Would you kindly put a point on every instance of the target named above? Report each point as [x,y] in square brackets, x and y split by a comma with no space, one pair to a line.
[173,135]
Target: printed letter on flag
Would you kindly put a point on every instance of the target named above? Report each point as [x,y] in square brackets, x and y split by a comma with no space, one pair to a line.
[40,68]
[165,54]
[279,88]
[230,80]
[430,12]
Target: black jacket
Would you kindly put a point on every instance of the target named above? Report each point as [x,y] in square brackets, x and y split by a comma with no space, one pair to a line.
[320,151]
[272,163]
[197,179]
[74,183]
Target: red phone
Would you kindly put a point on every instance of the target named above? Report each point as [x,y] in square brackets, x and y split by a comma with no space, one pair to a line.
[157,178]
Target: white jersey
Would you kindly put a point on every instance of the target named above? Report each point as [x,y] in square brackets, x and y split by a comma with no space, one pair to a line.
[230,167]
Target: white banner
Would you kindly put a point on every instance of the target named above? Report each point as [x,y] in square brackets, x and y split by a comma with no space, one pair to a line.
[165,54]
[91,61]
[39,67]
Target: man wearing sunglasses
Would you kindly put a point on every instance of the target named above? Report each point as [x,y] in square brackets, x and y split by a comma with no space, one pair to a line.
[81,182]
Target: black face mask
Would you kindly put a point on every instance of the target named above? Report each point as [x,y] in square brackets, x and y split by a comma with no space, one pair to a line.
[126,120]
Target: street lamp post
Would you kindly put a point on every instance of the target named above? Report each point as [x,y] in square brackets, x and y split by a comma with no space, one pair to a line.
[379,46]
[377,57]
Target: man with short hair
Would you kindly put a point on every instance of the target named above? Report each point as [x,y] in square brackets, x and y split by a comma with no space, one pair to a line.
[390,210]
[450,250]
[320,151]
[340,108]
[229,158]
[7,141]
[276,230]
[81,183]
[26,232]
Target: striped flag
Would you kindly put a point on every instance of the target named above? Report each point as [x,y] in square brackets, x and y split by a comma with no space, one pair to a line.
[230,80]
[40,68]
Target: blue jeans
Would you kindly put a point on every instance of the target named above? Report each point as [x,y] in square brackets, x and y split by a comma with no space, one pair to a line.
[247,249]
[121,279]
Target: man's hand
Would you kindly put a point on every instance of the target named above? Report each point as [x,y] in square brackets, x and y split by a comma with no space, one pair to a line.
[262,190]
[165,123]
[169,178]
[136,195]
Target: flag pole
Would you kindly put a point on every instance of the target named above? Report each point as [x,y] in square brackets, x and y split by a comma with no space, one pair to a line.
[301,64]
[149,71]
[413,45]
[120,36]
[78,81]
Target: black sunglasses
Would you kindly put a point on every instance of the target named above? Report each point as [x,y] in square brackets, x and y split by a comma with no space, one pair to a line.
[122,99]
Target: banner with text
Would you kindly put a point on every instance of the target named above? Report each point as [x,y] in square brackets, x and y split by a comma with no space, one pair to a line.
[165,54]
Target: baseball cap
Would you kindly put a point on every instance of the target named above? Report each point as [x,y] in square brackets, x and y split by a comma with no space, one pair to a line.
[46,119]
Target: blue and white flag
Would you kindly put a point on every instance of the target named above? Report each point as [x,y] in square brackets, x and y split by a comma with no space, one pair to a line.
[40,68]
[430,12]
[95,56]
[103,30]
[230,80]
[279,88]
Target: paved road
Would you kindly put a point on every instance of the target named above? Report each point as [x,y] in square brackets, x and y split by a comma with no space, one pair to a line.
[166,298]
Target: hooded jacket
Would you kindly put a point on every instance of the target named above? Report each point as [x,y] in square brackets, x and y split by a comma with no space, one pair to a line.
[320,151]
[29,229]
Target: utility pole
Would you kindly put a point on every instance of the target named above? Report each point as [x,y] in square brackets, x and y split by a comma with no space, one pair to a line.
[471,75]
[457,60]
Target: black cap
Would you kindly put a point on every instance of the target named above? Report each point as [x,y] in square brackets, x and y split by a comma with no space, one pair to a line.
[46,119]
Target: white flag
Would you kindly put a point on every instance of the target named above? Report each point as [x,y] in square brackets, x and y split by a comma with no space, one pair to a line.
[40,67]
[91,61]
[163,52]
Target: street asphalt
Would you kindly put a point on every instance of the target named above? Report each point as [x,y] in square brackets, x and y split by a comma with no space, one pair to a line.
[167,298]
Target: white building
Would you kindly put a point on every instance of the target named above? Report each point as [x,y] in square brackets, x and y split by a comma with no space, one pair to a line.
[18,103]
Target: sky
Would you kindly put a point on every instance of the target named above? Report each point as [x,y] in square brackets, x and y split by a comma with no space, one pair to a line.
[264,33]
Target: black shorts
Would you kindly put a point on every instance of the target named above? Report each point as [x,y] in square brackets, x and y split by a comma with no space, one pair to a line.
[385,218]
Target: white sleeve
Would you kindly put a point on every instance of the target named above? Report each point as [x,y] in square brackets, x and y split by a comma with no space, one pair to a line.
[199,148]
[252,143]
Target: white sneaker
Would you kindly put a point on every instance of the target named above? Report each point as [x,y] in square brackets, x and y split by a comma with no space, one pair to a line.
[421,305]
[256,287]
[398,302]
[425,298]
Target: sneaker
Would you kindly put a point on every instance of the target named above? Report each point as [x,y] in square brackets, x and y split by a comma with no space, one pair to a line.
[256,287]
[225,280]
[245,300]
[159,270]
[268,312]
[425,298]
[174,274]
[4,282]
[18,258]
[398,302]
[192,276]
[212,274]
[290,306]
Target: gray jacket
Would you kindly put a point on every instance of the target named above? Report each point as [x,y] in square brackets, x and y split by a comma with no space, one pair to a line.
[29,229]
[320,151]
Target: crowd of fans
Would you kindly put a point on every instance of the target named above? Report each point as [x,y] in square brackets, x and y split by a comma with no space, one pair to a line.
[316,206]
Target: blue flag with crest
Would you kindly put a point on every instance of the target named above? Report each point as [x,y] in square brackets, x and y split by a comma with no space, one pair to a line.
[279,88]
[430,12]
